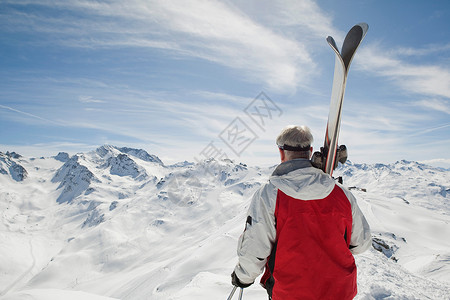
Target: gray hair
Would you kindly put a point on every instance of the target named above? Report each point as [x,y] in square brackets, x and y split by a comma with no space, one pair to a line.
[295,136]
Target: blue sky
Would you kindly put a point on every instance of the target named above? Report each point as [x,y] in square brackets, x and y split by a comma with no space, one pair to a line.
[177,78]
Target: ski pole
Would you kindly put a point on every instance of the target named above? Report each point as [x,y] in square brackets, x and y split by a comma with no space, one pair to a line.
[241,292]
[232,293]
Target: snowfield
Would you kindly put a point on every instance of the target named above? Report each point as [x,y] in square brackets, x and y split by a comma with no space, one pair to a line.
[117,223]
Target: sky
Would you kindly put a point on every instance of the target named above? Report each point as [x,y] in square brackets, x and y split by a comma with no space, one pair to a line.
[187,80]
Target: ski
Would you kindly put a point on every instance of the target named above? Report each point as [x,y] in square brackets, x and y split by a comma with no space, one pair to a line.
[330,154]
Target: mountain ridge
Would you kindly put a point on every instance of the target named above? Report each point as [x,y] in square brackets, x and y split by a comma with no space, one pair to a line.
[118,217]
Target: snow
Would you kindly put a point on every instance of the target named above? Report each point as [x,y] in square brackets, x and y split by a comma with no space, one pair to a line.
[8,165]
[50,294]
[117,223]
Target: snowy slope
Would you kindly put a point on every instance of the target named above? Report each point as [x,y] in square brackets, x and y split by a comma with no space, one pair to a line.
[407,204]
[117,223]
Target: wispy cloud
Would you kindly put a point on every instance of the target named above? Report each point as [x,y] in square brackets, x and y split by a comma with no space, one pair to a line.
[213,30]
[433,80]
[304,19]
[30,115]
[440,105]
[90,99]
[375,132]
[430,129]
[420,51]
[158,118]
[48,149]
[438,162]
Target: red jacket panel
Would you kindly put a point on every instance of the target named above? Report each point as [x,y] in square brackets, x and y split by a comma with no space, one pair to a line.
[311,257]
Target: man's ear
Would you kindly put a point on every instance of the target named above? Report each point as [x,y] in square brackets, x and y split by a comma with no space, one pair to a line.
[282,155]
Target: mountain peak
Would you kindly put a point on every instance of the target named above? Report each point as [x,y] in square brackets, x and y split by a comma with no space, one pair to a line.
[74,178]
[141,154]
[110,150]
[106,150]
[123,165]
[11,167]
[62,157]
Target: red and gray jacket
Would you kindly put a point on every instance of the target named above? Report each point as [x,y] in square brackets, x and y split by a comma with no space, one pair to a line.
[303,229]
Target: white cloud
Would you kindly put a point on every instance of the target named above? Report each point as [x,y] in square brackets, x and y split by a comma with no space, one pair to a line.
[303,19]
[424,131]
[435,104]
[438,162]
[423,51]
[420,79]
[216,31]
[48,149]
[30,115]
[90,99]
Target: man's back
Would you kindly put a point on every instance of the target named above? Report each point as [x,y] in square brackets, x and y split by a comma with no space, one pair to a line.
[306,222]
[311,257]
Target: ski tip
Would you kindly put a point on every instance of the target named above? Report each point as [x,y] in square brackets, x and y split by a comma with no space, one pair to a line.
[364,27]
[332,43]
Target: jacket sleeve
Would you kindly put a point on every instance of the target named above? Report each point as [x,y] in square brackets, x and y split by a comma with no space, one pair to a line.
[361,238]
[255,243]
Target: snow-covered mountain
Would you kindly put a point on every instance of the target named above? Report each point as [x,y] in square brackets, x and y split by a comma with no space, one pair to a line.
[119,223]
[9,166]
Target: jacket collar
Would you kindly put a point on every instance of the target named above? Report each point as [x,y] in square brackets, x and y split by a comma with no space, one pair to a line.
[291,165]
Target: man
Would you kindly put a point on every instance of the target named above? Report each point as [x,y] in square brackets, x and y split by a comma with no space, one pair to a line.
[303,228]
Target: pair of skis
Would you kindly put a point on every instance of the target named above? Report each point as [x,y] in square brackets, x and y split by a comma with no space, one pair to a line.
[330,154]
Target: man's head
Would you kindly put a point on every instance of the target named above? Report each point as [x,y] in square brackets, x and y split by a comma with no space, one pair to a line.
[295,142]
